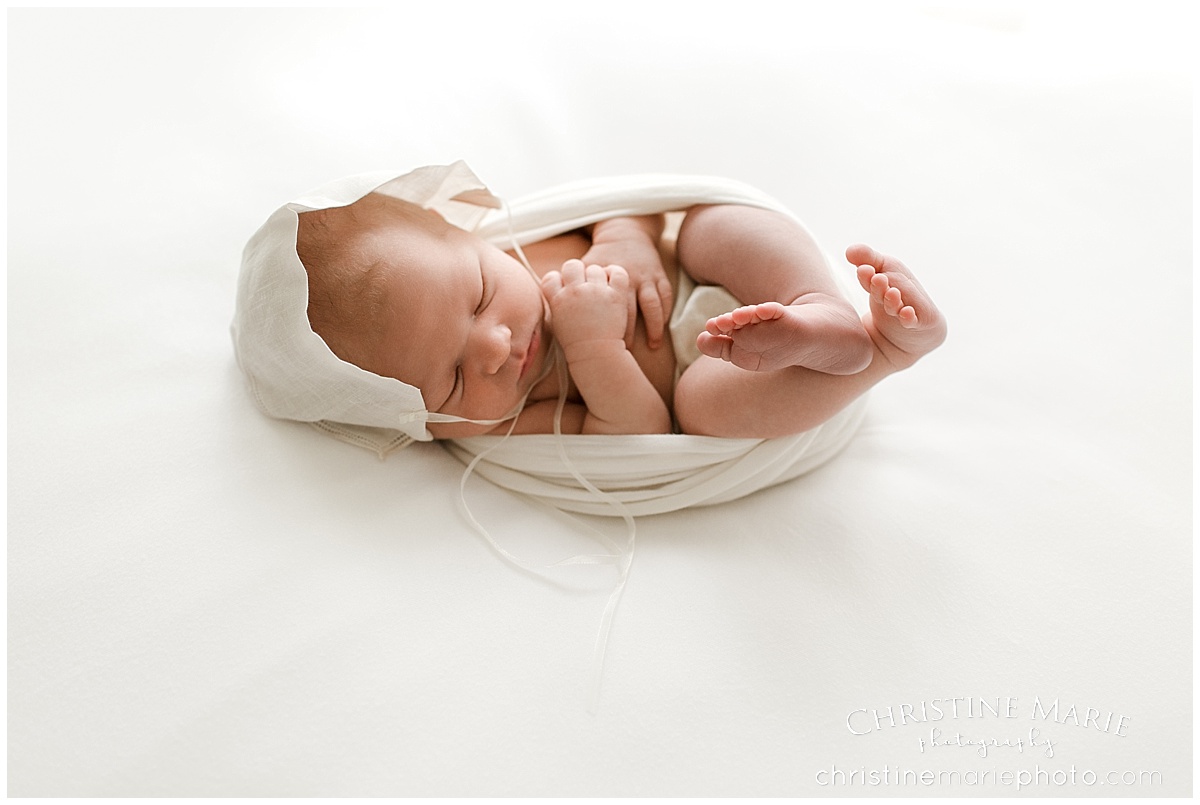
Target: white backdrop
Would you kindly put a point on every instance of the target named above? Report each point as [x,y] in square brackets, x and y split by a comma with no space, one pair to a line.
[206,602]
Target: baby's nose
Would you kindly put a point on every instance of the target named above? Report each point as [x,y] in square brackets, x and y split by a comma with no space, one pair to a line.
[494,346]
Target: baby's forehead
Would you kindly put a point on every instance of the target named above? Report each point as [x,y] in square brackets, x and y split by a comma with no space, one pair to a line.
[409,244]
[379,229]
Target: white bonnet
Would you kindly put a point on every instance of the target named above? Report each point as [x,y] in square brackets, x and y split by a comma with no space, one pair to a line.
[291,372]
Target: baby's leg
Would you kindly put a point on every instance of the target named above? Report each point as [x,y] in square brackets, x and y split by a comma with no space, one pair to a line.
[794,315]
[716,398]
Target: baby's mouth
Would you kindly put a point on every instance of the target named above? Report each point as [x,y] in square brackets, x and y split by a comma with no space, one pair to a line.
[531,351]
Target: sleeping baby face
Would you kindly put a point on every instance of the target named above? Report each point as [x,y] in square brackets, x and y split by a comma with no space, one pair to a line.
[460,319]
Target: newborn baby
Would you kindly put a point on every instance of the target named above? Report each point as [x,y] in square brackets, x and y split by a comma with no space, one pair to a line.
[398,291]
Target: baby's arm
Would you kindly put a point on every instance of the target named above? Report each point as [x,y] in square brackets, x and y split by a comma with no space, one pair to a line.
[588,311]
[632,243]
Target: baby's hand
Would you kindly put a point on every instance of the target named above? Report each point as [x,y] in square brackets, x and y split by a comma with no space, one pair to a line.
[587,303]
[625,242]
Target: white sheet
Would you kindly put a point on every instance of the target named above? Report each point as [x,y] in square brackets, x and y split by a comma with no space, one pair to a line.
[203,601]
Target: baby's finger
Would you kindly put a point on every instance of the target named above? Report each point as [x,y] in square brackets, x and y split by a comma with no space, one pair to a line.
[652,312]
[572,272]
[552,283]
[667,296]
[630,319]
[596,274]
[618,278]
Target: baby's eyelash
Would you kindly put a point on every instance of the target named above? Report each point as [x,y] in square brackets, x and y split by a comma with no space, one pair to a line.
[483,295]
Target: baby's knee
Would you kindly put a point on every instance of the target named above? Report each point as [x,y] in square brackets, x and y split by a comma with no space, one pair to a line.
[706,224]
[721,231]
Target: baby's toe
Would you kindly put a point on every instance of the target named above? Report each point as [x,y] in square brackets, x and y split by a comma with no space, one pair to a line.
[879,286]
[892,301]
[720,325]
[862,254]
[865,274]
[769,311]
[714,346]
[743,316]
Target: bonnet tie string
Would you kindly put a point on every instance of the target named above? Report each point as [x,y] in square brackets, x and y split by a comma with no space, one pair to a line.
[622,556]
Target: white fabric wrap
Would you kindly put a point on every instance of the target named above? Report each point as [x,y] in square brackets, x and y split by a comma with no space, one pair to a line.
[292,374]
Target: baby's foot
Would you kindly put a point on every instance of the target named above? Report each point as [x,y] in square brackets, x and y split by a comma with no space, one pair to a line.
[816,332]
[903,321]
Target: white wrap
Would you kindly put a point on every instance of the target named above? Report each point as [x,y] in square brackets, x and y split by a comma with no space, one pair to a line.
[293,375]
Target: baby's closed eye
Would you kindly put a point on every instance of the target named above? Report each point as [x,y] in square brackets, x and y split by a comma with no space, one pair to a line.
[484,292]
